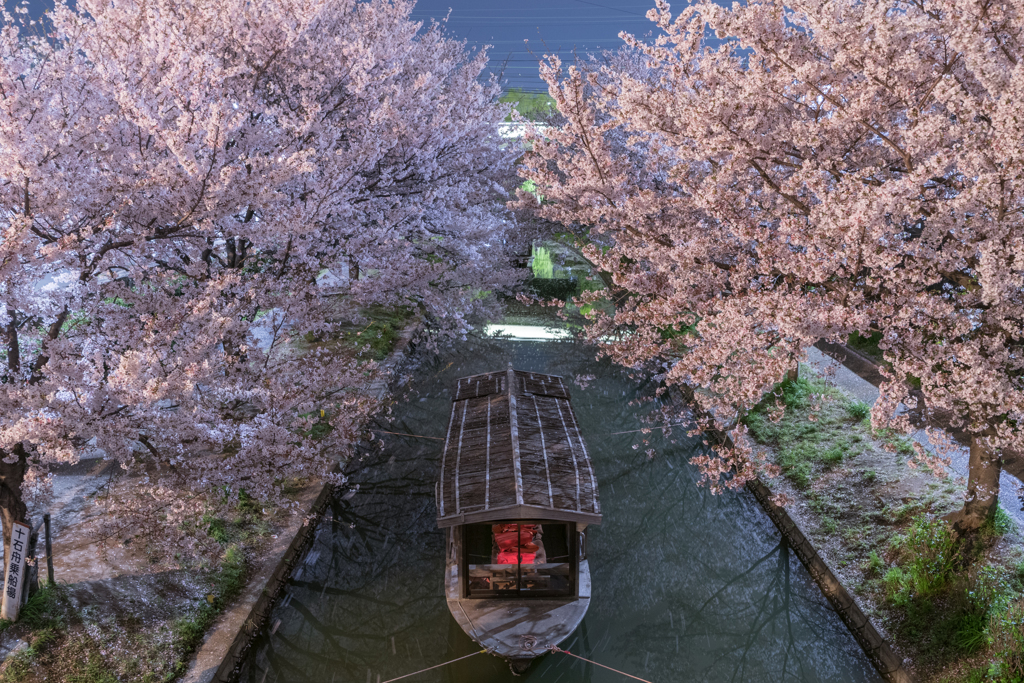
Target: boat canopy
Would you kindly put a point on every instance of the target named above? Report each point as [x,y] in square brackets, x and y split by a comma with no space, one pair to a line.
[513,450]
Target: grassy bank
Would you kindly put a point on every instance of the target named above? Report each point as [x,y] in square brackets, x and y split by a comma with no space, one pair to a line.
[955,612]
[372,339]
[147,609]
[71,640]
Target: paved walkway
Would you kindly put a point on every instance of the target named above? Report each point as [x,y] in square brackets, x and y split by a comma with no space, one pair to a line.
[863,390]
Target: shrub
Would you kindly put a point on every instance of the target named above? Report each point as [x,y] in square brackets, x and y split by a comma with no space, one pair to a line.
[858,410]
[929,557]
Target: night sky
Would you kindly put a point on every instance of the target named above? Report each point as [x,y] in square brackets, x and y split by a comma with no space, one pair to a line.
[550,25]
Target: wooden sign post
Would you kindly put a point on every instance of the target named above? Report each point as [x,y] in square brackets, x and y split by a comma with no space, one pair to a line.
[15,581]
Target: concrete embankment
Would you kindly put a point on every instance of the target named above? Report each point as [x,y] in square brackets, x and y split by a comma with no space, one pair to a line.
[886,661]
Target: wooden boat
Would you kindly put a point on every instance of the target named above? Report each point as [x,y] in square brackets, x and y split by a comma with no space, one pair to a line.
[516,493]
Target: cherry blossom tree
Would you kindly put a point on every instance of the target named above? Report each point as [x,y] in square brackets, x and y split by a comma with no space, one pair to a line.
[775,173]
[174,178]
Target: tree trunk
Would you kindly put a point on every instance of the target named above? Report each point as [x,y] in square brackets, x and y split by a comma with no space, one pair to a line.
[793,374]
[353,270]
[982,490]
[13,348]
[12,507]
[43,358]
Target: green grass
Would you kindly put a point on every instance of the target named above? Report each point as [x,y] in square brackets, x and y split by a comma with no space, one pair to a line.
[217,528]
[950,605]
[94,671]
[373,340]
[858,410]
[1007,633]
[1001,523]
[245,524]
[73,645]
[42,611]
[228,582]
[875,564]
[928,555]
[806,448]
[42,614]
[895,441]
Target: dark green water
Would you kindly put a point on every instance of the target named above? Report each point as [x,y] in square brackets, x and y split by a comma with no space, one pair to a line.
[687,586]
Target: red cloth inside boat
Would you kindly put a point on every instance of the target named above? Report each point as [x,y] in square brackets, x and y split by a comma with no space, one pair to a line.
[515,546]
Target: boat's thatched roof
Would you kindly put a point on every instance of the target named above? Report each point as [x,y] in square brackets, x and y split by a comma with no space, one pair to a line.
[513,450]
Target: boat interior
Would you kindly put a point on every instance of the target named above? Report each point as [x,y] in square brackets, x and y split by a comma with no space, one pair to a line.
[520,558]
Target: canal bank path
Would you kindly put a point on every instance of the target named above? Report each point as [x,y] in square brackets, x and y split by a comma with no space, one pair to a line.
[847,380]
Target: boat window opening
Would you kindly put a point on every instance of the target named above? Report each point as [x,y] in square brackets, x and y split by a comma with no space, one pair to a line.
[521,558]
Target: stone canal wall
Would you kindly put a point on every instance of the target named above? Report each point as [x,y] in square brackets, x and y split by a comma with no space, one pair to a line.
[882,656]
[886,661]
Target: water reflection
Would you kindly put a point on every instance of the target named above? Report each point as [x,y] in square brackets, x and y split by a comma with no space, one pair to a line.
[686,586]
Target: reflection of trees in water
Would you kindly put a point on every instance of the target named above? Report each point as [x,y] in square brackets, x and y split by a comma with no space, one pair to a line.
[724,600]
[754,626]
[372,601]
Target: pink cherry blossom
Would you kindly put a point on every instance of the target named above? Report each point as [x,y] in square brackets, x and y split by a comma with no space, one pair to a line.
[782,173]
[175,176]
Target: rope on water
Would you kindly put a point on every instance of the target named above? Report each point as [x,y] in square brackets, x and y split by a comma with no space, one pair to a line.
[436,666]
[648,429]
[437,438]
[566,652]
[418,436]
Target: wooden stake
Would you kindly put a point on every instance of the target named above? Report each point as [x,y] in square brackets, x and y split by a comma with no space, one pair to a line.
[49,550]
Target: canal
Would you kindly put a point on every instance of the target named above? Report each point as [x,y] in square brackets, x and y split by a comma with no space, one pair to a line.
[687,586]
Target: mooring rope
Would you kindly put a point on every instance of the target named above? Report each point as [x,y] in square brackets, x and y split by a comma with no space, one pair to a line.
[417,436]
[437,438]
[647,429]
[623,673]
[436,666]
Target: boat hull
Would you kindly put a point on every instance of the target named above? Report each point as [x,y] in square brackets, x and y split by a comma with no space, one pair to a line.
[518,629]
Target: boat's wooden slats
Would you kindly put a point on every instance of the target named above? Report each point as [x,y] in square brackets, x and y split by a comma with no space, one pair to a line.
[479,386]
[589,501]
[540,385]
[549,437]
[480,462]
[466,463]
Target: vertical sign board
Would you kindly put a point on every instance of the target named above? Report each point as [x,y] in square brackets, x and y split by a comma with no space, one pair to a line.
[15,577]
